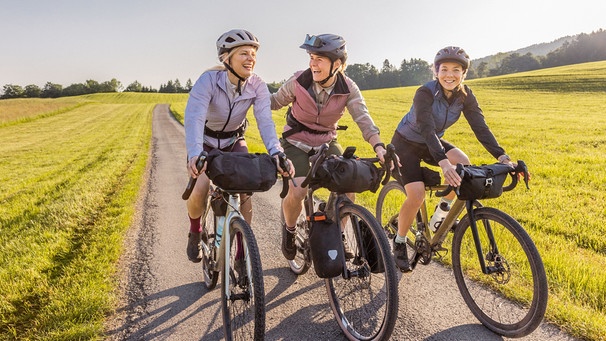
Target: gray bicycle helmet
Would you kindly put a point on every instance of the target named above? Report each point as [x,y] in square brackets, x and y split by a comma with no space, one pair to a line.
[329,45]
[452,54]
[235,38]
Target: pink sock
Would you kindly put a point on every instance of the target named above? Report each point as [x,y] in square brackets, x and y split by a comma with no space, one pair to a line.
[194,225]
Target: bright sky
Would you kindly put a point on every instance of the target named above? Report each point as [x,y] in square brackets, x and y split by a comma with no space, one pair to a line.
[153,41]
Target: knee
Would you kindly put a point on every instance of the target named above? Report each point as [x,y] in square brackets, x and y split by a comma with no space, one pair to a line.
[415,198]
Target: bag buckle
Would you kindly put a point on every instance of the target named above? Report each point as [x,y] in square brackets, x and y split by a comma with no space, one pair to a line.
[488,182]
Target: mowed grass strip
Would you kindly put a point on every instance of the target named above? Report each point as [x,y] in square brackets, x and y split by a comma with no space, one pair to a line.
[69,183]
[554,120]
[17,110]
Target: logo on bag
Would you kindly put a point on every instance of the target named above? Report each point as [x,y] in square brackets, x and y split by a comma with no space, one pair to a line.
[333,254]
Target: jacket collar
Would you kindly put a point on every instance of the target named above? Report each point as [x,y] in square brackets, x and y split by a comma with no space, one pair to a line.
[306,80]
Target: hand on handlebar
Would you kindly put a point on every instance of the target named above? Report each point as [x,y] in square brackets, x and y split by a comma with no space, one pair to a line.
[285,166]
[450,173]
[196,166]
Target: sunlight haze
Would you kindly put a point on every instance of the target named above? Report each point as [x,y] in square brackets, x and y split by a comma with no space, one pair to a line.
[151,41]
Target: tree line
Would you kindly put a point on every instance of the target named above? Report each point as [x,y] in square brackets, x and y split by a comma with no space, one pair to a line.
[583,48]
[53,90]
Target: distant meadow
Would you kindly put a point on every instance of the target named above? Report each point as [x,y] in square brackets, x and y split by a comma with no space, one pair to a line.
[71,169]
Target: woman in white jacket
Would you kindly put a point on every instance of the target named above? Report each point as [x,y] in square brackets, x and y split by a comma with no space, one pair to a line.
[215,118]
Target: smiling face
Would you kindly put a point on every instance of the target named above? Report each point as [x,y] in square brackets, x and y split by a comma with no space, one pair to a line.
[450,75]
[320,67]
[243,60]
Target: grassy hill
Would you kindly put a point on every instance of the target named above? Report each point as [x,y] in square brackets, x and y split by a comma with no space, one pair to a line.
[70,170]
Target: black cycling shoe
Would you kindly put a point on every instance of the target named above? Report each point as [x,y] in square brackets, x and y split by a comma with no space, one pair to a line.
[193,247]
[400,256]
[289,249]
[346,249]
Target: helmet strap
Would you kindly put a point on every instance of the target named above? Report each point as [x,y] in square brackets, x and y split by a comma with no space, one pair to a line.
[240,78]
[332,73]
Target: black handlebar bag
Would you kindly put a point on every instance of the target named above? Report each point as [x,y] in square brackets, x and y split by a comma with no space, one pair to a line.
[348,175]
[483,182]
[242,171]
[327,251]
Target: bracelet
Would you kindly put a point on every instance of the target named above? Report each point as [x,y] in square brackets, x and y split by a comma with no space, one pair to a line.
[374,148]
[504,157]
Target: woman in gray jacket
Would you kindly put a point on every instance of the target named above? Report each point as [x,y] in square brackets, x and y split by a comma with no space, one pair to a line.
[215,118]
[436,106]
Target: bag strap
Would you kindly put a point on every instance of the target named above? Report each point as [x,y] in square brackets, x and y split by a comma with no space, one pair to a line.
[297,126]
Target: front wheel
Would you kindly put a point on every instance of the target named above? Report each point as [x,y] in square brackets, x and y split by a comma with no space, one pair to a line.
[365,301]
[242,291]
[511,298]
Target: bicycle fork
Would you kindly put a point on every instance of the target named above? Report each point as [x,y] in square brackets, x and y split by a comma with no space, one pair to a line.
[493,255]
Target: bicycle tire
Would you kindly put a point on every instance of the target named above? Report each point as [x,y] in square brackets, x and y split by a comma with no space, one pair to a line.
[244,309]
[302,261]
[389,201]
[521,275]
[365,306]
[209,258]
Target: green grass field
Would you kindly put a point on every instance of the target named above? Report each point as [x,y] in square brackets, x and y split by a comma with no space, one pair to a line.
[71,168]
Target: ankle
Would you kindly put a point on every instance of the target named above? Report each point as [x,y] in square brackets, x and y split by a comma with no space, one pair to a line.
[194,225]
[400,239]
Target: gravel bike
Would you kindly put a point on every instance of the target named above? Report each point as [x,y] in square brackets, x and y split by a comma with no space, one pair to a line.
[230,249]
[364,297]
[490,250]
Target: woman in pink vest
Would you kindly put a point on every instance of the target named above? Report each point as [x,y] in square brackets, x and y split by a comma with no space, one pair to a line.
[318,98]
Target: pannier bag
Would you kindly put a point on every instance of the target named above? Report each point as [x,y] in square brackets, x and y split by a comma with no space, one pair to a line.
[348,175]
[373,254]
[241,171]
[326,244]
[483,182]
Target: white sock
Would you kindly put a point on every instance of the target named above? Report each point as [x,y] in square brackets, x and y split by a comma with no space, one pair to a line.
[400,239]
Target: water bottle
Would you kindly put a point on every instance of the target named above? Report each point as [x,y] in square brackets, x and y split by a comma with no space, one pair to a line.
[438,216]
[219,230]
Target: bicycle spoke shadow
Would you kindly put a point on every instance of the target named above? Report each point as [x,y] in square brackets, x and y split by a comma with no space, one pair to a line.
[298,306]
[159,314]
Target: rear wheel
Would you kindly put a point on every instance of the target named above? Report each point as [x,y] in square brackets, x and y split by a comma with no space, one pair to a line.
[242,292]
[302,260]
[209,259]
[511,300]
[365,303]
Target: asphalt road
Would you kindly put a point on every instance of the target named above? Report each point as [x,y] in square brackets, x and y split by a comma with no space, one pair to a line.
[164,298]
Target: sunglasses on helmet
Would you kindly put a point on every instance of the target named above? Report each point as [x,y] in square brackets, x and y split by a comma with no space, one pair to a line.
[313,41]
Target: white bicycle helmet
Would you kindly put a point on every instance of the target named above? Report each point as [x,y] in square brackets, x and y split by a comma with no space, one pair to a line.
[235,38]
[452,54]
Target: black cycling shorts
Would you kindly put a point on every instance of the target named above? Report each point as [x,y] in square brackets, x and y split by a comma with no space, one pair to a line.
[411,154]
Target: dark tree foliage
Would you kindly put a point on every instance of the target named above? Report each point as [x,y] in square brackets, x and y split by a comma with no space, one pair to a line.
[12,91]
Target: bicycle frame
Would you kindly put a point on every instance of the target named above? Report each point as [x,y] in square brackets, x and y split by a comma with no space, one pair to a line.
[457,207]
[232,211]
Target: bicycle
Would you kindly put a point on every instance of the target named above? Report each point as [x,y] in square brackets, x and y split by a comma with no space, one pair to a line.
[364,298]
[490,249]
[229,247]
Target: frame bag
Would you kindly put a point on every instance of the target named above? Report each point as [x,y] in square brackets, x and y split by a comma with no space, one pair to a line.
[245,172]
[483,182]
